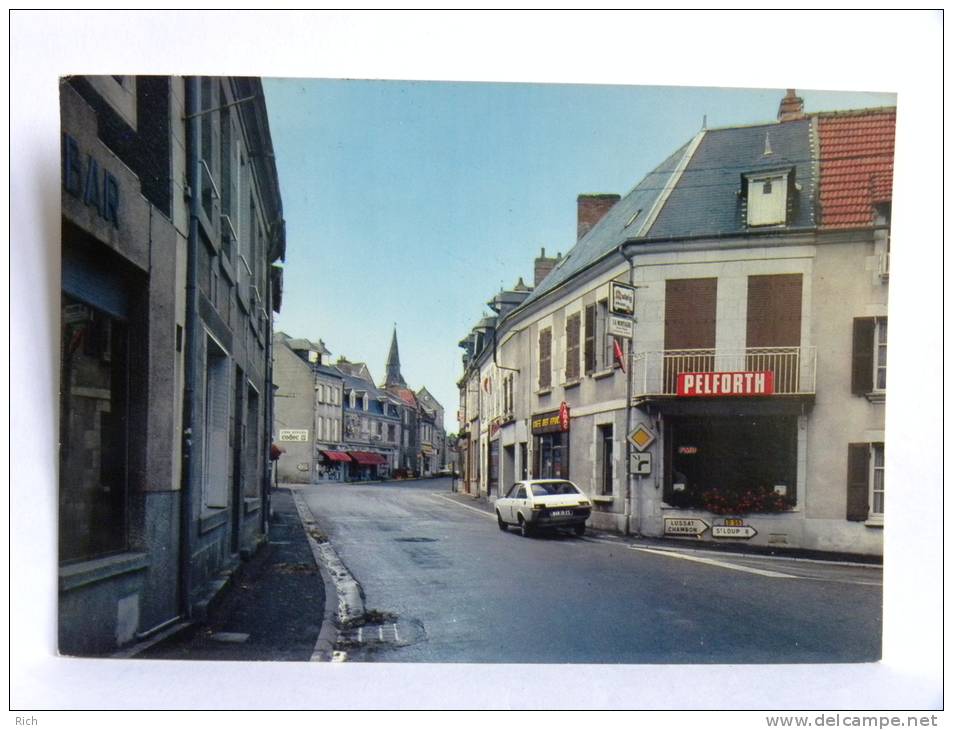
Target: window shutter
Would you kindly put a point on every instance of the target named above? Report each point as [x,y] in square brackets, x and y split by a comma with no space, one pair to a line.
[589,350]
[862,373]
[572,347]
[545,358]
[858,456]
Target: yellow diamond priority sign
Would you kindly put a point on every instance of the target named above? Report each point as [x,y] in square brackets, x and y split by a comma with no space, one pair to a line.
[641,437]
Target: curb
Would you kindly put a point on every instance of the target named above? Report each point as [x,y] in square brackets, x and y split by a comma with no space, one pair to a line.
[480,504]
[343,596]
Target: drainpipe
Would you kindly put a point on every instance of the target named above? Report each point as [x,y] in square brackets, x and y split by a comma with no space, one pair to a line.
[192,350]
[628,422]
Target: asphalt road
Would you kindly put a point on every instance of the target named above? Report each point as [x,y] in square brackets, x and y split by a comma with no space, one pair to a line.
[459,590]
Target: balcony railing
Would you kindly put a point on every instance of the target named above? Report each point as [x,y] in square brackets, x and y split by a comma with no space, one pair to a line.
[656,373]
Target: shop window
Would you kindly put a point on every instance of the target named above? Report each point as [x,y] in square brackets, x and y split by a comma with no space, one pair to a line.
[216,427]
[552,456]
[545,358]
[93,433]
[731,465]
[869,371]
[865,482]
[572,346]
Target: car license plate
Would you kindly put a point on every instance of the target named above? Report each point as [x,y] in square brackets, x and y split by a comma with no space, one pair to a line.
[561,513]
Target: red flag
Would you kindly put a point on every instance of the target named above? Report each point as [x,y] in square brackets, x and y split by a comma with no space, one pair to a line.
[620,358]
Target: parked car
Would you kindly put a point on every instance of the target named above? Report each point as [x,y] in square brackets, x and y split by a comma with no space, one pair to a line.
[446,471]
[543,503]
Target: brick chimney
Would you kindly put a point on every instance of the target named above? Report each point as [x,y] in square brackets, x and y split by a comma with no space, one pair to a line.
[590,209]
[543,265]
[791,107]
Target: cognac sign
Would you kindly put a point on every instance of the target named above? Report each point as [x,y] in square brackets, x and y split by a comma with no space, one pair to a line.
[726,384]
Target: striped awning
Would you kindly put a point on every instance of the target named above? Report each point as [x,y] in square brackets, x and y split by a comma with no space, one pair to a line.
[335,456]
[367,458]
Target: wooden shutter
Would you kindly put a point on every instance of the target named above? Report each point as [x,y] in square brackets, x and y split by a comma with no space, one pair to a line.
[690,313]
[216,430]
[589,348]
[545,358]
[774,311]
[858,489]
[572,346]
[689,325]
[862,361]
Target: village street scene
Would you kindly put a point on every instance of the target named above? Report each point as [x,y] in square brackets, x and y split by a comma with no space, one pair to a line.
[404,389]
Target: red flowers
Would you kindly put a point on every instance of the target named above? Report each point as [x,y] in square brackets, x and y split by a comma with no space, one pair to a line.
[743,501]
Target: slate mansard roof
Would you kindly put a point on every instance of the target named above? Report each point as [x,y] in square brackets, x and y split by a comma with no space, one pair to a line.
[697,191]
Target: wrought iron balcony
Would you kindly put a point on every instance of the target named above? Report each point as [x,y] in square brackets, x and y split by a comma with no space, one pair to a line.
[656,373]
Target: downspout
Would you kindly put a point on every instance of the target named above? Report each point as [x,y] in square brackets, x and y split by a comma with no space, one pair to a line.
[192,351]
[628,421]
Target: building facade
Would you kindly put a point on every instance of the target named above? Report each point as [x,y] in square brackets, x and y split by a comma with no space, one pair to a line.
[709,360]
[371,425]
[164,362]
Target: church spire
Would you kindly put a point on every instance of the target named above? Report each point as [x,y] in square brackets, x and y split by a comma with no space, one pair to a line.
[393,377]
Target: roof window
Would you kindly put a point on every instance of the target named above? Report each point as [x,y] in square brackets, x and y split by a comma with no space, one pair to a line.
[768,197]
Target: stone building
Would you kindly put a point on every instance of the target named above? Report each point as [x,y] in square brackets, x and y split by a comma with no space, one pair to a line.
[171,224]
[708,361]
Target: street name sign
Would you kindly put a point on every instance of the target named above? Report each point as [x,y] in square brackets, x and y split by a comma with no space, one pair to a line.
[640,463]
[743,532]
[620,326]
[685,526]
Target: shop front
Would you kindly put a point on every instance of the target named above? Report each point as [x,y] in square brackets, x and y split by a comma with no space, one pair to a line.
[332,465]
[366,466]
[550,433]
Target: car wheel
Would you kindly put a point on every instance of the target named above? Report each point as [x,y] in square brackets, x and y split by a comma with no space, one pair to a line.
[526,530]
[500,522]
[580,529]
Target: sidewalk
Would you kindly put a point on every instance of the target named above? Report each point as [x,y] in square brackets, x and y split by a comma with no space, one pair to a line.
[271,611]
[483,504]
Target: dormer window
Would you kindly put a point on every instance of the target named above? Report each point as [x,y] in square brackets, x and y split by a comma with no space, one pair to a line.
[364,402]
[353,399]
[767,197]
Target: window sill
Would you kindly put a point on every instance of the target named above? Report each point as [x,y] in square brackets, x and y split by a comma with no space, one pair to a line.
[600,374]
[252,504]
[210,521]
[603,499]
[100,569]
[571,383]
[878,396]
[544,391]
[875,522]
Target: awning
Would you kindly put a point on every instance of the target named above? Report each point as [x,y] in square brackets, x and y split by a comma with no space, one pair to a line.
[366,458]
[335,455]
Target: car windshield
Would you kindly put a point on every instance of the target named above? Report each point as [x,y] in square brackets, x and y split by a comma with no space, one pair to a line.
[547,488]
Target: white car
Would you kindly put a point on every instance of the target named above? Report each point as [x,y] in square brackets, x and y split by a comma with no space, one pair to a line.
[540,503]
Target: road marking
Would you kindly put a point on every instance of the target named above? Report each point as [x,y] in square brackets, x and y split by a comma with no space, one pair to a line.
[466,506]
[717,563]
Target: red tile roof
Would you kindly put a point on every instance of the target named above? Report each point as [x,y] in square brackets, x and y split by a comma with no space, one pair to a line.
[856,165]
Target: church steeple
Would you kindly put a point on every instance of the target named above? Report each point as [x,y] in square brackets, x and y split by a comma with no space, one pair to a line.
[393,377]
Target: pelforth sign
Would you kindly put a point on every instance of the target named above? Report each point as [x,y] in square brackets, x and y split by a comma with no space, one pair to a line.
[726,384]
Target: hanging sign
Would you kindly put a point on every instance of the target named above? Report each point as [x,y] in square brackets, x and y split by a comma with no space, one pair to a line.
[622,299]
[620,326]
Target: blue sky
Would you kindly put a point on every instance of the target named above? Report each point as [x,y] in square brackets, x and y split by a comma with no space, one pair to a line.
[414,202]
